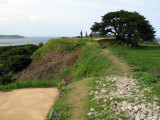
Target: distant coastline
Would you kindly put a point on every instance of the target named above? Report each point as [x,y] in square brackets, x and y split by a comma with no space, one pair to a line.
[10,36]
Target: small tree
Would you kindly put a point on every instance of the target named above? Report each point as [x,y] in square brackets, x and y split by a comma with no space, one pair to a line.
[128,27]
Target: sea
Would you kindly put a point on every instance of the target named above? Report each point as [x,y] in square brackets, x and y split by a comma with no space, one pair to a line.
[24,41]
[31,40]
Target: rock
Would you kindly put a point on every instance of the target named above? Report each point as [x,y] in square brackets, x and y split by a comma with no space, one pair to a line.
[96,92]
[154,118]
[60,94]
[155,73]
[136,109]
[150,105]
[66,82]
[123,109]
[157,107]
[124,103]
[103,91]
[121,93]
[129,108]
[149,118]
[111,98]
[105,100]
[142,117]
[146,112]
[89,114]
[54,113]
[92,109]
[137,117]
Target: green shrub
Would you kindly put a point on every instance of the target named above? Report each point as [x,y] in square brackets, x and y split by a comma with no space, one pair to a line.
[5,79]
[145,77]
[18,62]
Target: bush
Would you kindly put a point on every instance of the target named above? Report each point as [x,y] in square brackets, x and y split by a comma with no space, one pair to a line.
[145,77]
[18,62]
[40,44]
[5,79]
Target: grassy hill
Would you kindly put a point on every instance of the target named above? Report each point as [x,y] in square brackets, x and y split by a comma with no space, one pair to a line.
[62,58]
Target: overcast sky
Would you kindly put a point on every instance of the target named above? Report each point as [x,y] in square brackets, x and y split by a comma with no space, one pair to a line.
[67,17]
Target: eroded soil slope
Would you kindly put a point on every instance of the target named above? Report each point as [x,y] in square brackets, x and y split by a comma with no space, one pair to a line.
[50,64]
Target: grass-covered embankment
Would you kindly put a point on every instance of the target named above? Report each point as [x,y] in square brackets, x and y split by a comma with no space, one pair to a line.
[43,83]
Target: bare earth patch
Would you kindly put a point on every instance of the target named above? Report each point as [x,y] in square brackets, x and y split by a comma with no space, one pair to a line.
[78,99]
[27,104]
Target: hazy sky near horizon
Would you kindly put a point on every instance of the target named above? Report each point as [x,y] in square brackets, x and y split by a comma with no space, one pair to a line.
[67,17]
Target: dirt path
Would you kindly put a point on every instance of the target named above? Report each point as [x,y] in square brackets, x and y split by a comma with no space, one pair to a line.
[27,104]
[78,99]
[119,65]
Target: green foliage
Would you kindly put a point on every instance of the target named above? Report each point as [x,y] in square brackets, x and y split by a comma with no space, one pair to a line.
[90,64]
[146,77]
[14,59]
[128,27]
[18,62]
[40,44]
[5,79]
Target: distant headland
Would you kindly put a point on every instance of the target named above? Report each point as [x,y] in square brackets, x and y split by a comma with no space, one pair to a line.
[10,36]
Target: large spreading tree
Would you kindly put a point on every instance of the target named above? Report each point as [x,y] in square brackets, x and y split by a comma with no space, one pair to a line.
[128,27]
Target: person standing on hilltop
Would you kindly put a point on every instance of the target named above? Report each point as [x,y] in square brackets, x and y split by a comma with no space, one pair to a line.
[91,35]
[81,33]
[86,35]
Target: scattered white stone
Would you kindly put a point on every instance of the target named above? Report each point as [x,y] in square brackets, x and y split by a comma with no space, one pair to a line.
[136,109]
[127,89]
[105,100]
[129,108]
[89,114]
[103,91]
[91,109]
[111,98]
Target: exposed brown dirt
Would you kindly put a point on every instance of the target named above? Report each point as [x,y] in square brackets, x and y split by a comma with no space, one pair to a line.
[119,66]
[27,104]
[78,99]
[51,64]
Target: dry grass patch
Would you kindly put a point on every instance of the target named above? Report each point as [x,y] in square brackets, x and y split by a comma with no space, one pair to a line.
[78,99]
[119,65]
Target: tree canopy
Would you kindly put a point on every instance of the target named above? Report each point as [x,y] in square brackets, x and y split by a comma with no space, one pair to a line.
[128,27]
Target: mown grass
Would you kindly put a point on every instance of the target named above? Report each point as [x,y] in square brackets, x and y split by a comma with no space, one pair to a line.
[43,83]
[145,58]
[90,64]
